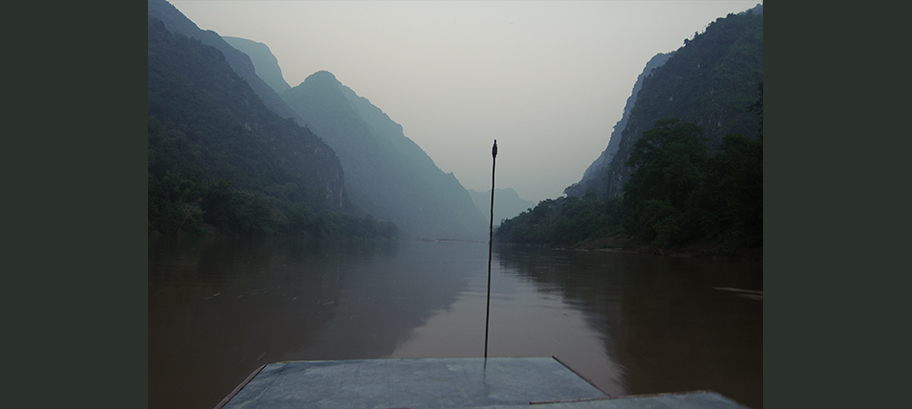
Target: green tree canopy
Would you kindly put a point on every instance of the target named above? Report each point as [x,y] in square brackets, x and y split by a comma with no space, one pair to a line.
[669,162]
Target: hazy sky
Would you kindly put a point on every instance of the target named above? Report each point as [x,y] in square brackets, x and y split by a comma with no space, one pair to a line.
[547,79]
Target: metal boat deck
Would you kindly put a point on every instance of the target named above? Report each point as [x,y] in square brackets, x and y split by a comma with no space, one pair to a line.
[441,383]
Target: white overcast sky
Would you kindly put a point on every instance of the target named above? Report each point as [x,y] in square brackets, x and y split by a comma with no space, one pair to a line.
[547,79]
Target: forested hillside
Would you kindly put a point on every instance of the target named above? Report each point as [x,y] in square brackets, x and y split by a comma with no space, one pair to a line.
[711,81]
[221,161]
[177,23]
[689,162]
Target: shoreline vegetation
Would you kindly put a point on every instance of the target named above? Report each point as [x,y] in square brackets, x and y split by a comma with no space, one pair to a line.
[683,198]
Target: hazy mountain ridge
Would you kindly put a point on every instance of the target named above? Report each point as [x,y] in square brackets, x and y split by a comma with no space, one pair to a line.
[380,123]
[176,22]
[264,62]
[219,157]
[222,161]
[507,203]
[387,174]
[196,97]
[442,186]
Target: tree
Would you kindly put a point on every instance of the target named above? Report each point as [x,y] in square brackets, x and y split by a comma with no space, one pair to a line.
[758,109]
[669,162]
[188,209]
[730,203]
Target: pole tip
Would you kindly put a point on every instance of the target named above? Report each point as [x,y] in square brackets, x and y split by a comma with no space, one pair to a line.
[494,149]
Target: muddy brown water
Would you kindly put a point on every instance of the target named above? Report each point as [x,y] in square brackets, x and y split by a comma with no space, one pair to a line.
[629,323]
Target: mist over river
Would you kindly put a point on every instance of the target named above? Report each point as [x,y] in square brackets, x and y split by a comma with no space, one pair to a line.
[630,323]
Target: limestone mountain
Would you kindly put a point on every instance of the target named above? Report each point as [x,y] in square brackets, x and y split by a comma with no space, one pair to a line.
[590,176]
[712,81]
[387,175]
[220,160]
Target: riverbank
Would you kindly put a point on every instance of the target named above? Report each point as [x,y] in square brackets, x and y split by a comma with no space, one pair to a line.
[703,248]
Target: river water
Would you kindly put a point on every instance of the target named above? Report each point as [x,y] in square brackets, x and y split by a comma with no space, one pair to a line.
[629,323]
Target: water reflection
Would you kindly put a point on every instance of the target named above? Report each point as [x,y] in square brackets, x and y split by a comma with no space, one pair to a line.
[383,299]
[220,308]
[666,324]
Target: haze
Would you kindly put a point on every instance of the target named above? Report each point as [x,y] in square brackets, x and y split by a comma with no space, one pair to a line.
[547,80]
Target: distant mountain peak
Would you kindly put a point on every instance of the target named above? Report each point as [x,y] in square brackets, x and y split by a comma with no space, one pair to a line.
[322,75]
[387,175]
[266,64]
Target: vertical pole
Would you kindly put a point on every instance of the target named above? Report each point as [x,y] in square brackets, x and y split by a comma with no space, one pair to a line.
[490,247]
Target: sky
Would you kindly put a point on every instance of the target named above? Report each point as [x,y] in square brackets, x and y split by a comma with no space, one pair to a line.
[547,79]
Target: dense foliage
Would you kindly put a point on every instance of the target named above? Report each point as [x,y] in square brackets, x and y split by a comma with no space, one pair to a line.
[670,161]
[677,193]
[220,160]
[566,220]
[179,204]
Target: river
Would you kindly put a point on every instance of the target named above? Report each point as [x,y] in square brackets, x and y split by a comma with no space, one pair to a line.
[629,323]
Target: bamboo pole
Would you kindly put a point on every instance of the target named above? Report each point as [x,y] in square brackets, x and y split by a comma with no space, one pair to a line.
[490,247]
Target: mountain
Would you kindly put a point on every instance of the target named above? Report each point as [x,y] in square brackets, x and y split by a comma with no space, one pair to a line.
[507,203]
[590,176]
[264,62]
[693,138]
[205,119]
[177,23]
[221,160]
[387,175]
[711,81]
